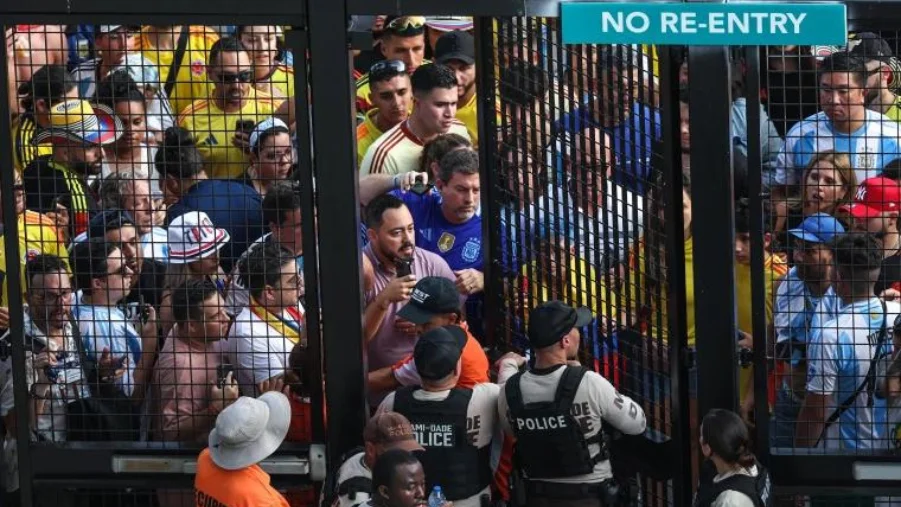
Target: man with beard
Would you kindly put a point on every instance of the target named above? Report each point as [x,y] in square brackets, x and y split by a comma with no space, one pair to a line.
[434,109]
[877,55]
[555,411]
[221,125]
[844,125]
[795,316]
[78,131]
[397,264]
[391,98]
[457,50]
[448,223]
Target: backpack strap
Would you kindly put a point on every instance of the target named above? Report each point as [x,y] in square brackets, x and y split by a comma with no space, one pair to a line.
[177,59]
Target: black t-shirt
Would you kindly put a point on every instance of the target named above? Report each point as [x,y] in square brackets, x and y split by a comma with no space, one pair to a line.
[890,274]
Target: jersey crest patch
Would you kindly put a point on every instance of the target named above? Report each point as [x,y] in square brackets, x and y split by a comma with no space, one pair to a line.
[471,250]
[446,242]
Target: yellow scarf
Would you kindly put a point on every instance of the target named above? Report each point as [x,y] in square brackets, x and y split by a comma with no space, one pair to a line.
[289,330]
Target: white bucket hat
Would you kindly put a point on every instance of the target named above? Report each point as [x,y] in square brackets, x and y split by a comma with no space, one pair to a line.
[193,236]
[249,430]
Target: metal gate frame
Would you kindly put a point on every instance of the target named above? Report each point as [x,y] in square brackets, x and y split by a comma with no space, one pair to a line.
[803,472]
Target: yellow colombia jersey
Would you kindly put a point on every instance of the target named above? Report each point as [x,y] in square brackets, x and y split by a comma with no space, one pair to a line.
[367,133]
[282,79]
[639,281]
[213,130]
[192,83]
[23,129]
[37,236]
[583,289]
[469,115]
[774,269]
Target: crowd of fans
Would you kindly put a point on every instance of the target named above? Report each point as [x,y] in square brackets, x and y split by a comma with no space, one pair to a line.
[162,258]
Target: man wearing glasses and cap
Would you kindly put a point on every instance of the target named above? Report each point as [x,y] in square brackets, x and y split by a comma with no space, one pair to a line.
[391,98]
[881,65]
[403,38]
[221,125]
[77,131]
[555,411]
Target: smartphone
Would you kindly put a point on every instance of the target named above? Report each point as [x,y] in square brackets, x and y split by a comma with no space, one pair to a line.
[404,267]
[245,126]
[142,308]
[419,186]
[222,372]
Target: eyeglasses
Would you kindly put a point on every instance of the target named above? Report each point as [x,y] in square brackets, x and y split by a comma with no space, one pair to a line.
[245,76]
[52,297]
[387,67]
[405,24]
[276,156]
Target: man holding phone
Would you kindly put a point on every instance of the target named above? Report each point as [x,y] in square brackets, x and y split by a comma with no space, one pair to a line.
[190,383]
[222,124]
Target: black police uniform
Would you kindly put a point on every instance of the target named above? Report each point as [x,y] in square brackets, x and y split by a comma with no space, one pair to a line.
[450,460]
[550,443]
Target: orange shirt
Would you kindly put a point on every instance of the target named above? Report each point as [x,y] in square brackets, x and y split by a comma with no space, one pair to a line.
[217,487]
[473,365]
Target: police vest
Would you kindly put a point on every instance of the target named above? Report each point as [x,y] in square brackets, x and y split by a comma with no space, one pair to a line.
[756,488]
[549,441]
[450,460]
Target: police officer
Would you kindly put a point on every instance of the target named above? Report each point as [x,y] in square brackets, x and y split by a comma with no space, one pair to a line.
[555,410]
[454,424]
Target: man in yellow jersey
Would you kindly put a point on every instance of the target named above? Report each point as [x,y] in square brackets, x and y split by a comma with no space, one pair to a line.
[78,132]
[457,50]
[159,44]
[878,55]
[402,39]
[434,108]
[37,235]
[49,85]
[391,95]
[221,125]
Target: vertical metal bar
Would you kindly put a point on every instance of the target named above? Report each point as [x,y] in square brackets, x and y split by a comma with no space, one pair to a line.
[14,285]
[338,213]
[675,248]
[492,194]
[296,41]
[713,227]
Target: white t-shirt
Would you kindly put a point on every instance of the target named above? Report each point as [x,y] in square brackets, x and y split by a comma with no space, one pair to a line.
[481,421]
[596,400]
[257,351]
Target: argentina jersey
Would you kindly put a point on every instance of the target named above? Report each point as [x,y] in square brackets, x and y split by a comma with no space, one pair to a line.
[460,245]
[871,146]
[838,363]
[107,328]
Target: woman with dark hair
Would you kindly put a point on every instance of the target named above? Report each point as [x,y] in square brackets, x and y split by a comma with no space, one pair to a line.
[731,476]
[271,74]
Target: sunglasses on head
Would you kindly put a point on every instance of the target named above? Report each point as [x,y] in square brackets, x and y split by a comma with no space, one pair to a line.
[405,24]
[245,76]
[385,67]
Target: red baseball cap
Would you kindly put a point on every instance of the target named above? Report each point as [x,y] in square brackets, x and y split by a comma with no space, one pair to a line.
[874,197]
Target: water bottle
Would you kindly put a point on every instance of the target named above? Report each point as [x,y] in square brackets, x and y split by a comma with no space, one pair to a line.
[436,498]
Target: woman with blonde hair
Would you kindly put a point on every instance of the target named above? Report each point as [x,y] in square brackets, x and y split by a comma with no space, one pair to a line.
[828,182]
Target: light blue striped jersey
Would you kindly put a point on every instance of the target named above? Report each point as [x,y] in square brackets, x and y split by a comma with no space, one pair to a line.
[796,311]
[838,362]
[106,327]
[871,146]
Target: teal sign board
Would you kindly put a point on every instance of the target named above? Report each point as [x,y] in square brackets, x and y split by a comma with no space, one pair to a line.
[730,24]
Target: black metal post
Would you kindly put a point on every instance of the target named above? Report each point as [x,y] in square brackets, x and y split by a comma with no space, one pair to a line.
[675,248]
[758,230]
[713,228]
[14,285]
[334,158]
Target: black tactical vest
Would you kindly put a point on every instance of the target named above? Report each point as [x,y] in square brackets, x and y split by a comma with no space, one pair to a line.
[549,441]
[450,460]
[758,489]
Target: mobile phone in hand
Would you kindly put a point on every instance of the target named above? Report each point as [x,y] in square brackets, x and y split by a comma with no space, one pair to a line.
[404,267]
[222,372]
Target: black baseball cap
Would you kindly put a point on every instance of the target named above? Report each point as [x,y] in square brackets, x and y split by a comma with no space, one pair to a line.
[456,45]
[433,295]
[108,220]
[438,351]
[870,46]
[552,320]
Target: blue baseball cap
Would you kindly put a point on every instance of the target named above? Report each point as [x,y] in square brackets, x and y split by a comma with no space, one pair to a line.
[818,228]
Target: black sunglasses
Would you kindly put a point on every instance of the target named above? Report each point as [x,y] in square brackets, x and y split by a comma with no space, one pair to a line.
[245,76]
